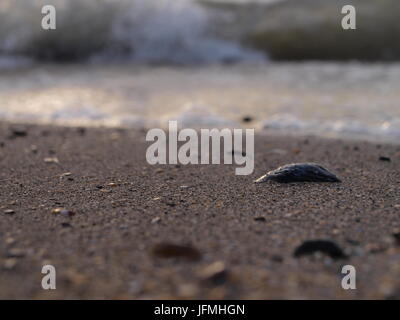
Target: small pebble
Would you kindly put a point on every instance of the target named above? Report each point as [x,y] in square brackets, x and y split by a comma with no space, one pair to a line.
[63,211]
[9,211]
[66,174]
[155,220]
[15,253]
[387,159]
[9,241]
[81,131]
[396,237]
[18,132]
[247,119]
[260,219]
[215,273]
[10,264]
[66,225]
[170,250]
[51,160]
[33,149]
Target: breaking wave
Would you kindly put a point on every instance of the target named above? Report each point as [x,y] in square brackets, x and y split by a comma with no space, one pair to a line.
[155,31]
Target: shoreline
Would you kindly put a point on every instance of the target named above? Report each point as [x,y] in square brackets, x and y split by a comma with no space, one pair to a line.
[196,231]
[280,97]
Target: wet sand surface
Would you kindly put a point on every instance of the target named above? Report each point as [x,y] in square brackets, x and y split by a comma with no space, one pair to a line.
[196,231]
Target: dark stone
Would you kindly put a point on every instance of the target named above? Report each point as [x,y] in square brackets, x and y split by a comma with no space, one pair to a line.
[16,132]
[260,219]
[396,236]
[387,159]
[170,250]
[247,119]
[81,131]
[326,247]
[66,225]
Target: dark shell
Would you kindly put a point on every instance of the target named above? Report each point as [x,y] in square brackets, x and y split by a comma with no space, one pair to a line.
[300,172]
[326,247]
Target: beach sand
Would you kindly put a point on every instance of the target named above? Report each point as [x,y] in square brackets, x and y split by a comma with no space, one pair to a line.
[235,239]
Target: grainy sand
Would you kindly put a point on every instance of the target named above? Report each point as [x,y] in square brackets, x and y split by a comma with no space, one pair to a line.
[113,246]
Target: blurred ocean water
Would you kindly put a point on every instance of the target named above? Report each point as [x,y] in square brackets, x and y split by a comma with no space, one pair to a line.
[151,31]
[199,31]
[352,100]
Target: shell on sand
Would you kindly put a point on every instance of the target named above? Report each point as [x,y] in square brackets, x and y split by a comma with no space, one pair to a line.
[299,172]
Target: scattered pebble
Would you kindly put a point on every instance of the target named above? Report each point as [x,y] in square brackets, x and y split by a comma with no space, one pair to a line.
[326,247]
[9,211]
[16,132]
[63,211]
[247,119]
[112,184]
[215,273]
[15,253]
[66,174]
[155,220]
[9,241]
[260,219]
[396,236]
[170,204]
[382,158]
[33,149]
[66,225]
[10,264]
[299,172]
[375,248]
[170,250]
[81,131]
[51,160]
